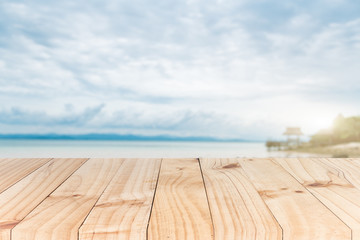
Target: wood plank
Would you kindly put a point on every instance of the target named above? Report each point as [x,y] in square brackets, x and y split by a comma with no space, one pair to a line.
[180,209]
[60,215]
[328,180]
[20,199]
[298,212]
[123,210]
[350,167]
[354,160]
[237,209]
[14,169]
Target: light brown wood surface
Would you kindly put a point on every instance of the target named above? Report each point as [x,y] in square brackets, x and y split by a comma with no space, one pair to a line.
[12,170]
[206,199]
[19,200]
[298,212]
[348,167]
[60,215]
[180,208]
[238,212]
[328,182]
[123,210]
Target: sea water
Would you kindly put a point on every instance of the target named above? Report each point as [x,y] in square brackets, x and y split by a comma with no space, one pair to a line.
[135,149]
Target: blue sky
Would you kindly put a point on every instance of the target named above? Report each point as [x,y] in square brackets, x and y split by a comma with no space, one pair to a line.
[243,69]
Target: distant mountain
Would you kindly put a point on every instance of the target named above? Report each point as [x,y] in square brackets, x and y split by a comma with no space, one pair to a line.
[119,137]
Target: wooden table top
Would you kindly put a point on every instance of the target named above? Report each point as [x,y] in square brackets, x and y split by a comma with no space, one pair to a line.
[223,199]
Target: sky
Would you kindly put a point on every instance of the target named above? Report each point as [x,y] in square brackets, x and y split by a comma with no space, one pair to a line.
[221,68]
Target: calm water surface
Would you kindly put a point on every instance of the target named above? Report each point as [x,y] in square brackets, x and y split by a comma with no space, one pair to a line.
[134,149]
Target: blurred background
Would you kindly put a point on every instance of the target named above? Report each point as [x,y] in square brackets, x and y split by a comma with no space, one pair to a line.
[179,78]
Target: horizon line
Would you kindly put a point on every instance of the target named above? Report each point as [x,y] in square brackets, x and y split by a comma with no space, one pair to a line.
[122,137]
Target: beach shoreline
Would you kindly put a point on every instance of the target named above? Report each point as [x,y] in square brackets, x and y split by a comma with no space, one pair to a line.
[351,149]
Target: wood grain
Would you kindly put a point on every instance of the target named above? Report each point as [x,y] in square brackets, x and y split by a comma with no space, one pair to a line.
[13,170]
[237,209]
[349,167]
[20,199]
[298,212]
[180,208]
[138,199]
[328,180]
[60,215]
[123,210]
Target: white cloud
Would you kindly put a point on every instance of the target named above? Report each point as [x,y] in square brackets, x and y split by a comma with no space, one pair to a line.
[222,69]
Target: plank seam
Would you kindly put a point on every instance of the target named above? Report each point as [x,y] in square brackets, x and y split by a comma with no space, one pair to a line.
[97,200]
[247,176]
[351,231]
[26,174]
[207,198]
[240,195]
[11,230]
[153,199]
